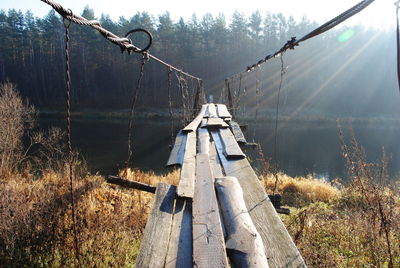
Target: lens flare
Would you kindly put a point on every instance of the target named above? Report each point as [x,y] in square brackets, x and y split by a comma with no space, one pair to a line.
[345,36]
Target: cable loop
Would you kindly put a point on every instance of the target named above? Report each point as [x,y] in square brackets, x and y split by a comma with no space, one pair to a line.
[123,42]
[66,25]
[135,49]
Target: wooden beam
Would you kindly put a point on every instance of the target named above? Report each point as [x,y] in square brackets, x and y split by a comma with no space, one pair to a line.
[227,119]
[180,248]
[153,247]
[231,147]
[280,249]
[203,143]
[237,132]
[178,151]
[211,111]
[244,244]
[131,184]
[195,123]
[203,122]
[208,241]
[223,111]
[216,122]
[187,177]
[214,161]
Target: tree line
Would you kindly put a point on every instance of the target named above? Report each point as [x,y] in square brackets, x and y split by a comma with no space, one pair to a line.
[211,47]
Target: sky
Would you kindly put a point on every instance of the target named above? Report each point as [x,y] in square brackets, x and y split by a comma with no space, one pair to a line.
[380,14]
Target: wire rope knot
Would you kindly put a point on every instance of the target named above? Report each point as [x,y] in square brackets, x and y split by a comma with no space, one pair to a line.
[66,20]
[137,49]
[291,44]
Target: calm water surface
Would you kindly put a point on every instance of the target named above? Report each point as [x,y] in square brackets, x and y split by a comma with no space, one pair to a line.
[303,148]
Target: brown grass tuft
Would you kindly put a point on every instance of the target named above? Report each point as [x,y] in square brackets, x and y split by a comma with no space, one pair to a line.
[36,223]
[150,177]
[300,191]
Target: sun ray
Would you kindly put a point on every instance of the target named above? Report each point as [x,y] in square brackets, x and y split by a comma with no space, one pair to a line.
[326,83]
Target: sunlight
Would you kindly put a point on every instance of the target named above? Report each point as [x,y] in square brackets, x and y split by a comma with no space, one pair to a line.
[346,35]
[380,14]
[334,75]
[323,86]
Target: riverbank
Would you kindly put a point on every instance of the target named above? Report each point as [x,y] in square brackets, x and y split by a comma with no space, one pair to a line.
[263,116]
[331,224]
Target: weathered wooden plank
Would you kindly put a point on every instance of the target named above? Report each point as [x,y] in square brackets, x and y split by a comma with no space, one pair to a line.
[178,151]
[216,122]
[280,249]
[195,123]
[237,132]
[231,147]
[216,169]
[211,111]
[152,251]
[180,249]
[203,122]
[223,111]
[131,184]
[208,241]
[187,177]
[214,161]
[203,144]
[243,244]
[227,119]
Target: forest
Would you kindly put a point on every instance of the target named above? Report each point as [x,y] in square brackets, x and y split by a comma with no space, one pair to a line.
[57,210]
[352,66]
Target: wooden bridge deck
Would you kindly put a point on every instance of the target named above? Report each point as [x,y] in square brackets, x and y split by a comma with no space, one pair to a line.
[219,215]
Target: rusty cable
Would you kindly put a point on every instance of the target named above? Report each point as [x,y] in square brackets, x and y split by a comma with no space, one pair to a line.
[169,85]
[132,110]
[69,142]
[275,170]
[397,4]
[123,42]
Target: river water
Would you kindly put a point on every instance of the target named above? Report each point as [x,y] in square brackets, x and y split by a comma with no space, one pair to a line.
[302,147]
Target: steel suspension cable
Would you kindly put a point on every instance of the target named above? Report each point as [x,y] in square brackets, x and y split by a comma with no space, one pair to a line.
[123,42]
[397,4]
[291,44]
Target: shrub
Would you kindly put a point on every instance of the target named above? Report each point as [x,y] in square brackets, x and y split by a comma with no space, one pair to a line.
[357,228]
[15,117]
[36,223]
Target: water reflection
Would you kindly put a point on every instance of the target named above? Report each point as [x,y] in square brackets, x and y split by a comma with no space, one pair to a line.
[303,147]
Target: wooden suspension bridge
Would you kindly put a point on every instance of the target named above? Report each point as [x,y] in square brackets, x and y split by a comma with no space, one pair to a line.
[219,215]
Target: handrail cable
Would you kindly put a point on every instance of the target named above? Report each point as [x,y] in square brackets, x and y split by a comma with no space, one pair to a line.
[291,44]
[123,42]
[397,4]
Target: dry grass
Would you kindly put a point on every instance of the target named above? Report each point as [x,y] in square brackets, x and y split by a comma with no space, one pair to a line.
[341,234]
[36,224]
[300,191]
[150,177]
[356,226]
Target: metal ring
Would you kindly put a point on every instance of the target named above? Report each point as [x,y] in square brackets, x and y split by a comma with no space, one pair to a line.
[143,31]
